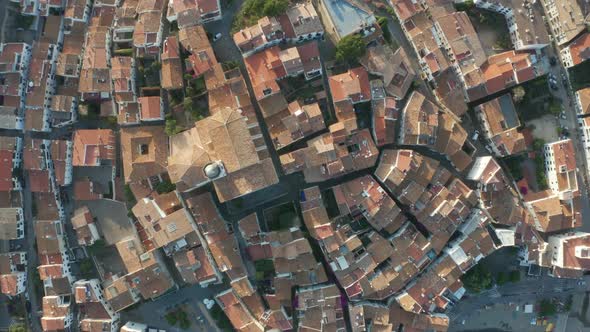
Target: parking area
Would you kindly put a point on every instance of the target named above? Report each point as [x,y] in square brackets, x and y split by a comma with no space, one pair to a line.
[189,299]
[112,219]
[545,127]
[504,317]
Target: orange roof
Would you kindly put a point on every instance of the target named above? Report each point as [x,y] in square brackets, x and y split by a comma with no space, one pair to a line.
[207,6]
[150,108]
[171,64]
[580,49]
[8,284]
[50,271]
[39,181]
[5,170]
[354,85]
[264,69]
[505,69]
[83,190]
[564,155]
[576,252]
[92,146]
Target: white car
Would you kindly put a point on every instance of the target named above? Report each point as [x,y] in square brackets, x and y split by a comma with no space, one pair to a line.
[217,36]
[475,135]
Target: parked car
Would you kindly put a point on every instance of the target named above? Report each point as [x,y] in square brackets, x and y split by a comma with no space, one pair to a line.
[475,135]
[553,61]
[552,81]
[217,36]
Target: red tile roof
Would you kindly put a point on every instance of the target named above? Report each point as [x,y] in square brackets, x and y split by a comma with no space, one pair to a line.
[354,85]
[39,181]
[5,170]
[580,49]
[150,108]
[264,69]
[93,145]
[207,6]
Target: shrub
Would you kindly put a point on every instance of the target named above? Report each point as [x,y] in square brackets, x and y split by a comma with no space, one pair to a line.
[165,187]
[538,144]
[518,94]
[383,22]
[188,103]
[275,7]
[129,197]
[17,328]
[86,268]
[252,10]
[198,113]
[124,52]
[464,6]
[220,318]
[171,128]
[264,265]
[501,278]
[24,21]
[96,247]
[176,97]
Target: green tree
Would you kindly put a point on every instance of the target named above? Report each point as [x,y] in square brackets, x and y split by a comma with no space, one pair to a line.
[171,318]
[17,328]
[275,7]
[188,103]
[156,65]
[514,276]
[96,247]
[538,144]
[518,94]
[501,278]
[350,48]
[171,128]
[547,308]
[165,187]
[24,21]
[477,279]
[220,318]
[198,113]
[383,22]
[86,268]
[129,197]
[464,6]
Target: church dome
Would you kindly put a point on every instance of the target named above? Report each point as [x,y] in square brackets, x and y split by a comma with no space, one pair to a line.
[212,171]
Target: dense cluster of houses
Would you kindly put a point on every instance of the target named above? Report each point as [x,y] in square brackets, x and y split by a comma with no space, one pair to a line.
[396,204]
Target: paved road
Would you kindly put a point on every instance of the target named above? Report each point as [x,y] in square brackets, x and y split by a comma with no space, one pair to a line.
[529,290]
[571,122]
[224,48]
[152,312]
[32,262]
[5,319]
[398,34]
[3,9]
